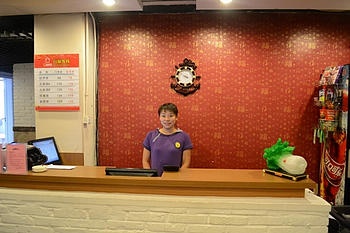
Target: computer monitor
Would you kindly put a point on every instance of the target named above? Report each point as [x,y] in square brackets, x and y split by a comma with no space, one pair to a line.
[113,171]
[49,148]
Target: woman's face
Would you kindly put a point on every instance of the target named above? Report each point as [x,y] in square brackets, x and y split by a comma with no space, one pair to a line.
[167,119]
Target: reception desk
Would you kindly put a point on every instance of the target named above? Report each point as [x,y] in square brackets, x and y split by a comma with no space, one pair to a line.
[187,182]
[193,200]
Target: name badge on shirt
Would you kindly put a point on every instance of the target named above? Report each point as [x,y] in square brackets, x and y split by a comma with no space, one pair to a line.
[177,145]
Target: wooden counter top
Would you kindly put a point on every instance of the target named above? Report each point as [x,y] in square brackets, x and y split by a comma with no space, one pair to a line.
[187,182]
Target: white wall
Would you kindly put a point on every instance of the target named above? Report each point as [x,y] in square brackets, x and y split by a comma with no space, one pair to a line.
[43,211]
[67,34]
[23,95]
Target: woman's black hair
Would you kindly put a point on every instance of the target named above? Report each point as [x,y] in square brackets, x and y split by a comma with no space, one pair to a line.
[168,107]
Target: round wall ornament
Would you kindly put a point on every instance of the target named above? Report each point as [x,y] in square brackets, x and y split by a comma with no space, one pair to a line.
[185,81]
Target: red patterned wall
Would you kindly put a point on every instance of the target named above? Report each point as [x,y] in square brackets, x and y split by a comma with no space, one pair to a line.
[258,71]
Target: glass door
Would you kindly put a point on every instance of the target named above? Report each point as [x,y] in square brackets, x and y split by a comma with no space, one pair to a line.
[6,110]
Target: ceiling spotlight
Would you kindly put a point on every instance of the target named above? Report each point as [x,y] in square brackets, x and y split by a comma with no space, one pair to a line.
[225,1]
[108,2]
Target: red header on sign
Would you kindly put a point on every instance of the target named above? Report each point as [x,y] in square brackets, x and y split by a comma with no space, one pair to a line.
[56,60]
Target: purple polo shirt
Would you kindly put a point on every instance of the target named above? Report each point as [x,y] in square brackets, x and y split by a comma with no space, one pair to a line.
[166,149]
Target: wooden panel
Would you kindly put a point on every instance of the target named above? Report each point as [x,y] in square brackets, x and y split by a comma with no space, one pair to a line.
[188,182]
[73,158]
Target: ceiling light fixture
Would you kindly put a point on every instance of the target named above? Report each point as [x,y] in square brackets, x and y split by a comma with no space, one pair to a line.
[225,1]
[108,2]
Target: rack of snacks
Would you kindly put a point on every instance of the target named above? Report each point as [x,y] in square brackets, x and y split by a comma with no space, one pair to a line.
[332,100]
[329,98]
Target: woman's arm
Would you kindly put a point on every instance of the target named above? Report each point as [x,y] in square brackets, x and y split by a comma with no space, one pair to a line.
[186,158]
[146,154]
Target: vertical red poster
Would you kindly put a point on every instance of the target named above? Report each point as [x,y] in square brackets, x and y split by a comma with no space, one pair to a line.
[56,80]
[332,165]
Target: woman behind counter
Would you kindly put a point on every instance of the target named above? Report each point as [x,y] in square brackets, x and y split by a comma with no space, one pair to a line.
[167,146]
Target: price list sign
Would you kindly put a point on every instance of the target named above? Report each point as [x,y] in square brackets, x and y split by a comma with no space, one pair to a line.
[56,80]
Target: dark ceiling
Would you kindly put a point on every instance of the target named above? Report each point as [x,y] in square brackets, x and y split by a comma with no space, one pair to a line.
[17,35]
[16,41]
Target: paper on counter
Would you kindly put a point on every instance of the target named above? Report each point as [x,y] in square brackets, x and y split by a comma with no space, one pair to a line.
[60,167]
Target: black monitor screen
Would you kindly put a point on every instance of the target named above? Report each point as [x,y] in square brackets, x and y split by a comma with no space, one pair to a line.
[49,148]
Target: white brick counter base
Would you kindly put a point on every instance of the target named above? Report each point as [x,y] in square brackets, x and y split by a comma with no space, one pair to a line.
[40,211]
